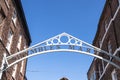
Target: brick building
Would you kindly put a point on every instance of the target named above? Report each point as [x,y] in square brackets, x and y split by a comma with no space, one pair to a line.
[107,38]
[14,36]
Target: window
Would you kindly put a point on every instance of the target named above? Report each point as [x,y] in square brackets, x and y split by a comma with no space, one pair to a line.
[93,76]
[14,71]
[10,36]
[106,25]
[25,45]
[110,48]
[2,15]
[19,42]
[14,17]
[114,75]
[22,65]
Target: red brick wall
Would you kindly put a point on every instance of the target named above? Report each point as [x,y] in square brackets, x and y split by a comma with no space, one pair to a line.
[17,30]
[112,35]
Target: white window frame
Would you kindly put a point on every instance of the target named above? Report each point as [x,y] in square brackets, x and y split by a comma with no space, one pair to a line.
[19,42]
[10,37]
[22,66]
[109,48]
[25,46]
[114,75]
[14,17]
[106,25]
[14,71]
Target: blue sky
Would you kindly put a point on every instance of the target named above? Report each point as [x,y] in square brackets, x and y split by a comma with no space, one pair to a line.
[48,18]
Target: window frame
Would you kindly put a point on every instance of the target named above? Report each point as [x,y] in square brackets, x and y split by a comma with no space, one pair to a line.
[109,46]
[106,25]
[14,71]
[14,17]
[19,42]
[22,66]
[114,75]
[9,39]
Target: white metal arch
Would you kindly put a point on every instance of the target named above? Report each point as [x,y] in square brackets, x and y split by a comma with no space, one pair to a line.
[56,44]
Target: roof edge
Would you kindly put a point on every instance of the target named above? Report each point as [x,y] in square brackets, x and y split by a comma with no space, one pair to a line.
[100,19]
[23,19]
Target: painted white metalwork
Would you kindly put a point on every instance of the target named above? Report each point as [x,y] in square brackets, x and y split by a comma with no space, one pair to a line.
[60,43]
[116,51]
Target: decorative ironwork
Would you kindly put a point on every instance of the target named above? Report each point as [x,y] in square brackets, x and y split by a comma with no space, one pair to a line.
[60,43]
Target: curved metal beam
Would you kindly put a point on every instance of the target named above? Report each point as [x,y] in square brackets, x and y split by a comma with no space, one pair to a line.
[56,41]
[50,42]
[64,50]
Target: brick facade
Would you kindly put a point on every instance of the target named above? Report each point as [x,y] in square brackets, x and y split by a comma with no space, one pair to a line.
[14,37]
[107,38]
